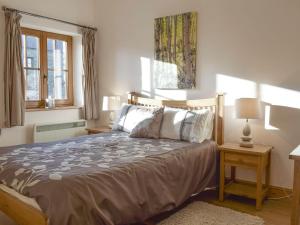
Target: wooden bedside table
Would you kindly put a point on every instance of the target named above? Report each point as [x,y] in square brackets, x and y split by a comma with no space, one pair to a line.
[257,158]
[98,130]
[295,155]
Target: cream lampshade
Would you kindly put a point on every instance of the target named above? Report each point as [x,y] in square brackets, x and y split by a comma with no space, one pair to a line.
[111,104]
[247,108]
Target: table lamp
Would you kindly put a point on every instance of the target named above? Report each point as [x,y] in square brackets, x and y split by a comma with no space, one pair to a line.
[247,108]
[111,104]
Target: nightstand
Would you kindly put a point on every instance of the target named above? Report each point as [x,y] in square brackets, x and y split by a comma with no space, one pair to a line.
[98,130]
[257,158]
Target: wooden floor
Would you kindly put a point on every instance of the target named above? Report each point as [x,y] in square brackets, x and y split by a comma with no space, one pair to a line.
[274,212]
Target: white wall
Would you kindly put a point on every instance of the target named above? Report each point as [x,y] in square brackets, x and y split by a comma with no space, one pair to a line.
[242,45]
[77,11]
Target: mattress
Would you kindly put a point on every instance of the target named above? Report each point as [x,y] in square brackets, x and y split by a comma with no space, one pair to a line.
[107,178]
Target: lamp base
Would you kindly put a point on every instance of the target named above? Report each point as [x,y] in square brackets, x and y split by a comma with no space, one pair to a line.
[112,116]
[110,125]
[246,142]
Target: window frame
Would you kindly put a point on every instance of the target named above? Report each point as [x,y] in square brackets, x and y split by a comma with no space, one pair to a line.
[43,36]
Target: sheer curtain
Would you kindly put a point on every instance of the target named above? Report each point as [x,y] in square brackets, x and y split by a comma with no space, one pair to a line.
[14,80]
[91,101]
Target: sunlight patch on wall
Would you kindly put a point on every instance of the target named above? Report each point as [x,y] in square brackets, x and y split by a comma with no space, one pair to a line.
[235,88]
[165,75]
[268,126]
[280,96]
[146,76]
[151,74]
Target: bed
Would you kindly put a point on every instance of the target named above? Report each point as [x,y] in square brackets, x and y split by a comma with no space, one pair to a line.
[107,178]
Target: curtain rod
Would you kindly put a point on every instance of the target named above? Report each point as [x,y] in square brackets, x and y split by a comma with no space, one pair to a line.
[46,17]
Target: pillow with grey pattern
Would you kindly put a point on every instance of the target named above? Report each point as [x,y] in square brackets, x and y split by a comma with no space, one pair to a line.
[131,116]
[149,127]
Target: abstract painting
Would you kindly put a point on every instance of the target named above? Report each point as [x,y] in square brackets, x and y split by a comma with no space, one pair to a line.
[175,51]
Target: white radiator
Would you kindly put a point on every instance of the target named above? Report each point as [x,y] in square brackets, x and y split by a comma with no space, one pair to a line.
[58,131]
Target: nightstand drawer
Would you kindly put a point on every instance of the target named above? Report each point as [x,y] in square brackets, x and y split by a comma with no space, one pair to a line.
[241,159]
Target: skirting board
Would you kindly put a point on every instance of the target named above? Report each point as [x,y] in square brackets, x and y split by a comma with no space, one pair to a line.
[279,192]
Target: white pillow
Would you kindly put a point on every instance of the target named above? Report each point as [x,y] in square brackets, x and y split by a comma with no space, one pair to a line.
[120,117]
[117,116]
[202,127]
[171,124]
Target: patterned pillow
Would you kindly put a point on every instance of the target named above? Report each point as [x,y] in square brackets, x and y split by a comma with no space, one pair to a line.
[149,127]
[193,126]
[172,123]
[131,115]
[202,127]
[187,125]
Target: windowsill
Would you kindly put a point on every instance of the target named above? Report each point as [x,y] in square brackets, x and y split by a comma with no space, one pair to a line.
[56,108]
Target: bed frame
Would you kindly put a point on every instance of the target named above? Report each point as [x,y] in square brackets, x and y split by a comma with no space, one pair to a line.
[24,214]
[216,104]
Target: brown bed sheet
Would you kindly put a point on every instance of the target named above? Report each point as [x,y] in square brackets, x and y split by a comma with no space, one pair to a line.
[108,178]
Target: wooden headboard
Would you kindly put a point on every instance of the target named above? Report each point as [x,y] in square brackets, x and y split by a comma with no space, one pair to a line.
[216,104]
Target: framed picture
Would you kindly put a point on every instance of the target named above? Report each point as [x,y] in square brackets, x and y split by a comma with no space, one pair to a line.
[175,51]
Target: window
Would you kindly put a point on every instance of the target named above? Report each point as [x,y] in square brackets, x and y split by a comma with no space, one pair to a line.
[47,62]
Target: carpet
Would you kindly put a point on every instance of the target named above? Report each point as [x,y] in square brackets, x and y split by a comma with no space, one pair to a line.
[202,213]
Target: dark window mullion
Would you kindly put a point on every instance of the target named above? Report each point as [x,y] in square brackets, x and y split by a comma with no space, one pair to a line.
[58,70]
[29,68]
[45,65]
[25,50]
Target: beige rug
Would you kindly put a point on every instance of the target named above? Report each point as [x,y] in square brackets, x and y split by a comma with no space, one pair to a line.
[202,213]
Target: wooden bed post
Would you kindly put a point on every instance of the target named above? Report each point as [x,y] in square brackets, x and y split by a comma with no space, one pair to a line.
[129,97]
[20,212]
[132,97]
[219,126]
